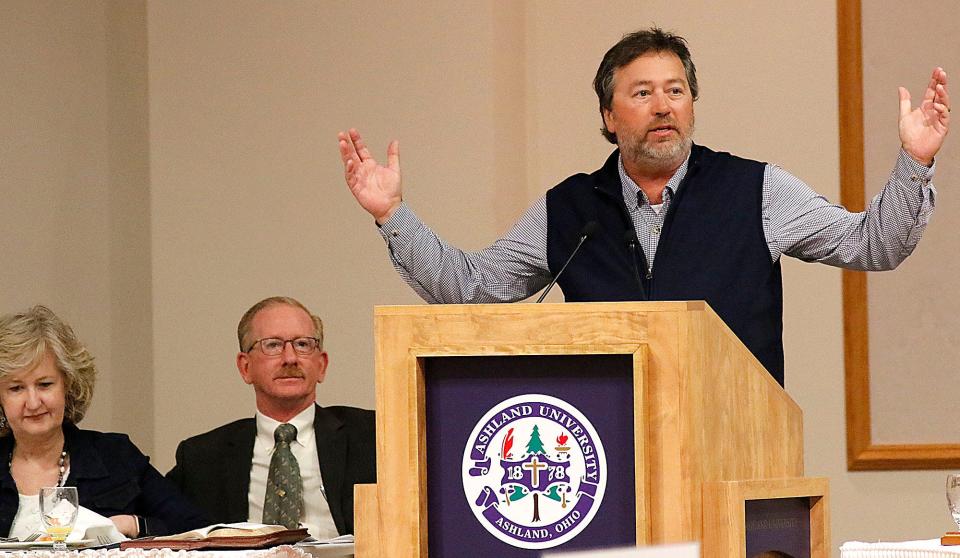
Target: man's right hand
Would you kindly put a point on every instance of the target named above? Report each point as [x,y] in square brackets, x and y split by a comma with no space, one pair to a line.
[375,186]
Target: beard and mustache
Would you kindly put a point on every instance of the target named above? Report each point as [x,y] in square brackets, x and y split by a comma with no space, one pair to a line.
[659,155]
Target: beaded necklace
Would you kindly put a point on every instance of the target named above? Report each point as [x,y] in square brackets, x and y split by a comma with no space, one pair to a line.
[61,465]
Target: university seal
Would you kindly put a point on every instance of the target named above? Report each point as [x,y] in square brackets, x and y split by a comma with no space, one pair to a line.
[534,471]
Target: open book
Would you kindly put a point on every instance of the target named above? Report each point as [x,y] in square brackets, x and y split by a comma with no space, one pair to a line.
[225,535]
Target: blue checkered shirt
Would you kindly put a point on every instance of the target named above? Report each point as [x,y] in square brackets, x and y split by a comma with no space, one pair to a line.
[797,222]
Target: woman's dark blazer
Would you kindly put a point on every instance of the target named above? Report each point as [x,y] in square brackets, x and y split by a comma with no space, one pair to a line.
[112,477]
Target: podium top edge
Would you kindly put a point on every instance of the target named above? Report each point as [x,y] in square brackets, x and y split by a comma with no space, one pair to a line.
[559,307]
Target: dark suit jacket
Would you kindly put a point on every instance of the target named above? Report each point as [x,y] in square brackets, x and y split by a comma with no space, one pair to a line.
[213,469]
[112,477]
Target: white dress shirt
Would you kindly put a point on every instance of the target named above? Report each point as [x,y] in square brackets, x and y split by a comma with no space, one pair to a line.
[316,513]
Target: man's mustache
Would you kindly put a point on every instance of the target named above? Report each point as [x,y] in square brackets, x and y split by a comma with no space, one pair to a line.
[291,372]
[662,123]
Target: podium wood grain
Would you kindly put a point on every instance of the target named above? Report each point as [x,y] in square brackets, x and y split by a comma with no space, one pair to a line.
[705,408]
[724,528]
[366,536]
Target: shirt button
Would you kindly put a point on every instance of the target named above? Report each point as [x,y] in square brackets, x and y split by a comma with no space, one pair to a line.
[394,233]
[914,178]
[655,229]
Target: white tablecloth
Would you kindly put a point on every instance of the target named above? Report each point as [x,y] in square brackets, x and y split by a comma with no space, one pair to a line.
[908,549]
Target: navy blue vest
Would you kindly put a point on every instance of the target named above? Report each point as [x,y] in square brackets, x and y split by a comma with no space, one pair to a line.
[712,247]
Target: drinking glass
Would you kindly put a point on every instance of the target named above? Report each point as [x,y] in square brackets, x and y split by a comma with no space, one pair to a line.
[953,496]
[58,511]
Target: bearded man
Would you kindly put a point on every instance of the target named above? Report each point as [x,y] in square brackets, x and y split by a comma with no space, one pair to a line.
[714,224]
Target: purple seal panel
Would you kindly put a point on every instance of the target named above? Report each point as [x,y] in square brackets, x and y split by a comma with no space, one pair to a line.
[529,452]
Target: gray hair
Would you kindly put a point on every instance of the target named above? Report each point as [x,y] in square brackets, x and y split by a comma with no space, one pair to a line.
[243,328]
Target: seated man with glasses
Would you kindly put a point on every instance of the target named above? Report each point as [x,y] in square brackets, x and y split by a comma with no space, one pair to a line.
[295,462]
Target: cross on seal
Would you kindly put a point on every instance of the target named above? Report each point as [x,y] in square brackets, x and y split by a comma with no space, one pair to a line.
[535,466]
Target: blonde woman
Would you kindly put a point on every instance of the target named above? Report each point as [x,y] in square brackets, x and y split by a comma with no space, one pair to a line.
[46,384]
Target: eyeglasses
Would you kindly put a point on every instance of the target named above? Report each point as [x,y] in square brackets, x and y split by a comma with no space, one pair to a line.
[273,346]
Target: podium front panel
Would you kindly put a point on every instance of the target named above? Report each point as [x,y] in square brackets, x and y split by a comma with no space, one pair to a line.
[529,452]
[778,524]
[682,403]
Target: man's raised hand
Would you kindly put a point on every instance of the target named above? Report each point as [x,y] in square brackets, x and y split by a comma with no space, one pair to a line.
[376,187]
[923,129]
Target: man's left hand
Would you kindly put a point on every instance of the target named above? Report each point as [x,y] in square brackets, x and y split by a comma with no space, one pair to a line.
[923,129]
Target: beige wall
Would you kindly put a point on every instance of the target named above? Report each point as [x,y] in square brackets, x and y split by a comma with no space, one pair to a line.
[214,181]
[908,403]
[131,294]
[55,220]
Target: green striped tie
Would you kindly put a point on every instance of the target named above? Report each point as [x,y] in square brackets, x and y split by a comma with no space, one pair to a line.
[284,500]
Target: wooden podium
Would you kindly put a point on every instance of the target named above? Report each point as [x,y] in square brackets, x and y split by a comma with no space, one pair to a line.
[711,430]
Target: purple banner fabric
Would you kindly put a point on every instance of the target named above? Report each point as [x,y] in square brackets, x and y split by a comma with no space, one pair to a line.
[461,390]
[527,475]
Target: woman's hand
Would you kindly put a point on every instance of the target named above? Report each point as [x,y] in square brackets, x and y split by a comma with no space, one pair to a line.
[126,524]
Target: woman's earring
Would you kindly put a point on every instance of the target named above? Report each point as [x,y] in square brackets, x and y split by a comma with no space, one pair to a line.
[3,421]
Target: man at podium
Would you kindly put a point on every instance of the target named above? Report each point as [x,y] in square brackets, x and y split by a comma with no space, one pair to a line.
[716,225]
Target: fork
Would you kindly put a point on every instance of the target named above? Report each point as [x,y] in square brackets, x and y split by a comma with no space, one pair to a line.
[32,537]
[103,540]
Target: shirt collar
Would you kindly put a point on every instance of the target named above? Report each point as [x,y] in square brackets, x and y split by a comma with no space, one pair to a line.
[630,188]
[303,421]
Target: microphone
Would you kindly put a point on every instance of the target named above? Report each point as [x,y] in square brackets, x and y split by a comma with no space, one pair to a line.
[630,236]
[586,232]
